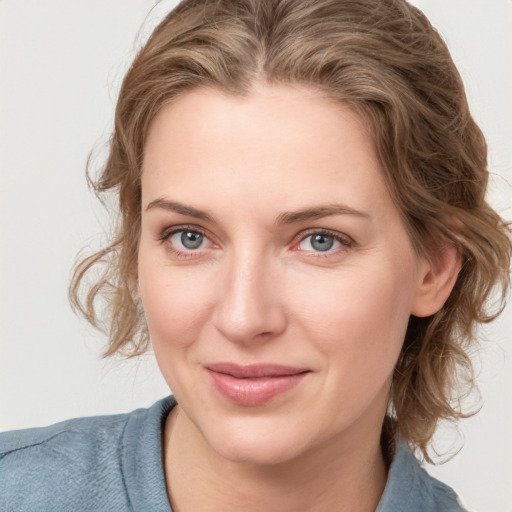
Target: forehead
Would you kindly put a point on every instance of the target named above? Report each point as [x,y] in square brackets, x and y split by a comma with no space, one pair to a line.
[279,145]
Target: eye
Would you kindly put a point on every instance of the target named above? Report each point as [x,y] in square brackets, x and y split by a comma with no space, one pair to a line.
[318,242]
[323,242]
[187,239]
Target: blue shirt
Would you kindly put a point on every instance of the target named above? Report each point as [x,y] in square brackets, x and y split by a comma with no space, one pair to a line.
[114,463]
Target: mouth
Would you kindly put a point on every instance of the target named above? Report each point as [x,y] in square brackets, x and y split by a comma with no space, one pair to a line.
[253,385]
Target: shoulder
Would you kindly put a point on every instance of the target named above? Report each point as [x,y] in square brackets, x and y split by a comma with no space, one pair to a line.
[60,465]
[72,436]
[71,465]
[410,487]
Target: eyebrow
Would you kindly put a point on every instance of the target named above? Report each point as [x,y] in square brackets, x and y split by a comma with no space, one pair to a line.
[183,209]
[318,212]
[283,218]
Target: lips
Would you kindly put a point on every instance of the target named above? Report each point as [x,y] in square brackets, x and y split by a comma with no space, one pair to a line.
[253,385]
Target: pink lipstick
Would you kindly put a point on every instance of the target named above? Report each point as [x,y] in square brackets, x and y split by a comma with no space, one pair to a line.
[255,384]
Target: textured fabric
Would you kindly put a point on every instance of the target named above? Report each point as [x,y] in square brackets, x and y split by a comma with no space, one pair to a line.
[114,463]
[105,463]
[411,489]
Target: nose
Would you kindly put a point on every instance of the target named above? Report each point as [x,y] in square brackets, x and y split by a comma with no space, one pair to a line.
[249,308]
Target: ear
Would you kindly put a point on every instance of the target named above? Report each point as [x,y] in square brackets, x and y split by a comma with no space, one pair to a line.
[437,277]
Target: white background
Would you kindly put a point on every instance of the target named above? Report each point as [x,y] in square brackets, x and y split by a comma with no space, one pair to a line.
[61,63]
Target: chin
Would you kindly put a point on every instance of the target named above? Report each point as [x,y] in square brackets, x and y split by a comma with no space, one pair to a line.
[261,447]
[257,454]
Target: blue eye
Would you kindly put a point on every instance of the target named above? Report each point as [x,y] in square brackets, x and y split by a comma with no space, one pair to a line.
[320,242]
[188,239]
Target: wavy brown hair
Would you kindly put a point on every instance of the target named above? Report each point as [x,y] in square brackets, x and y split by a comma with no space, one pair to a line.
[382,58]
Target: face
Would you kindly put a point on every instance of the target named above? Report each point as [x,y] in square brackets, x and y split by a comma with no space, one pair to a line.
[275,272]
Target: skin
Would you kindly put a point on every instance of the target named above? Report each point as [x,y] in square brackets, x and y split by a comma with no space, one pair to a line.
[257,290]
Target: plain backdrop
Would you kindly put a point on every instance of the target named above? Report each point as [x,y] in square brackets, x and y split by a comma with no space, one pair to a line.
[61,63]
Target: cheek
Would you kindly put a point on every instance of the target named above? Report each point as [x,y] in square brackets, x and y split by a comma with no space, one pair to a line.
[176,306]
[175,302]
[358,319]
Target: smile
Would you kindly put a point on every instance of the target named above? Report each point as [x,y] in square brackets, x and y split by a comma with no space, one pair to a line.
[253,385]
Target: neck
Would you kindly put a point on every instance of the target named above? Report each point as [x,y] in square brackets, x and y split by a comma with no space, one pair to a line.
[347,475]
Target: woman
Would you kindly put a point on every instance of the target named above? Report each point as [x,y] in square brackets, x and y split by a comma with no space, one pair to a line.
[304,238]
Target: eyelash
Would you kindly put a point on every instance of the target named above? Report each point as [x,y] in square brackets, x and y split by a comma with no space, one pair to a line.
[166,235]
[345,241]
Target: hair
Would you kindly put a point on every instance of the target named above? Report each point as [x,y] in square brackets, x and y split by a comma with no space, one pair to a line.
[383,59]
